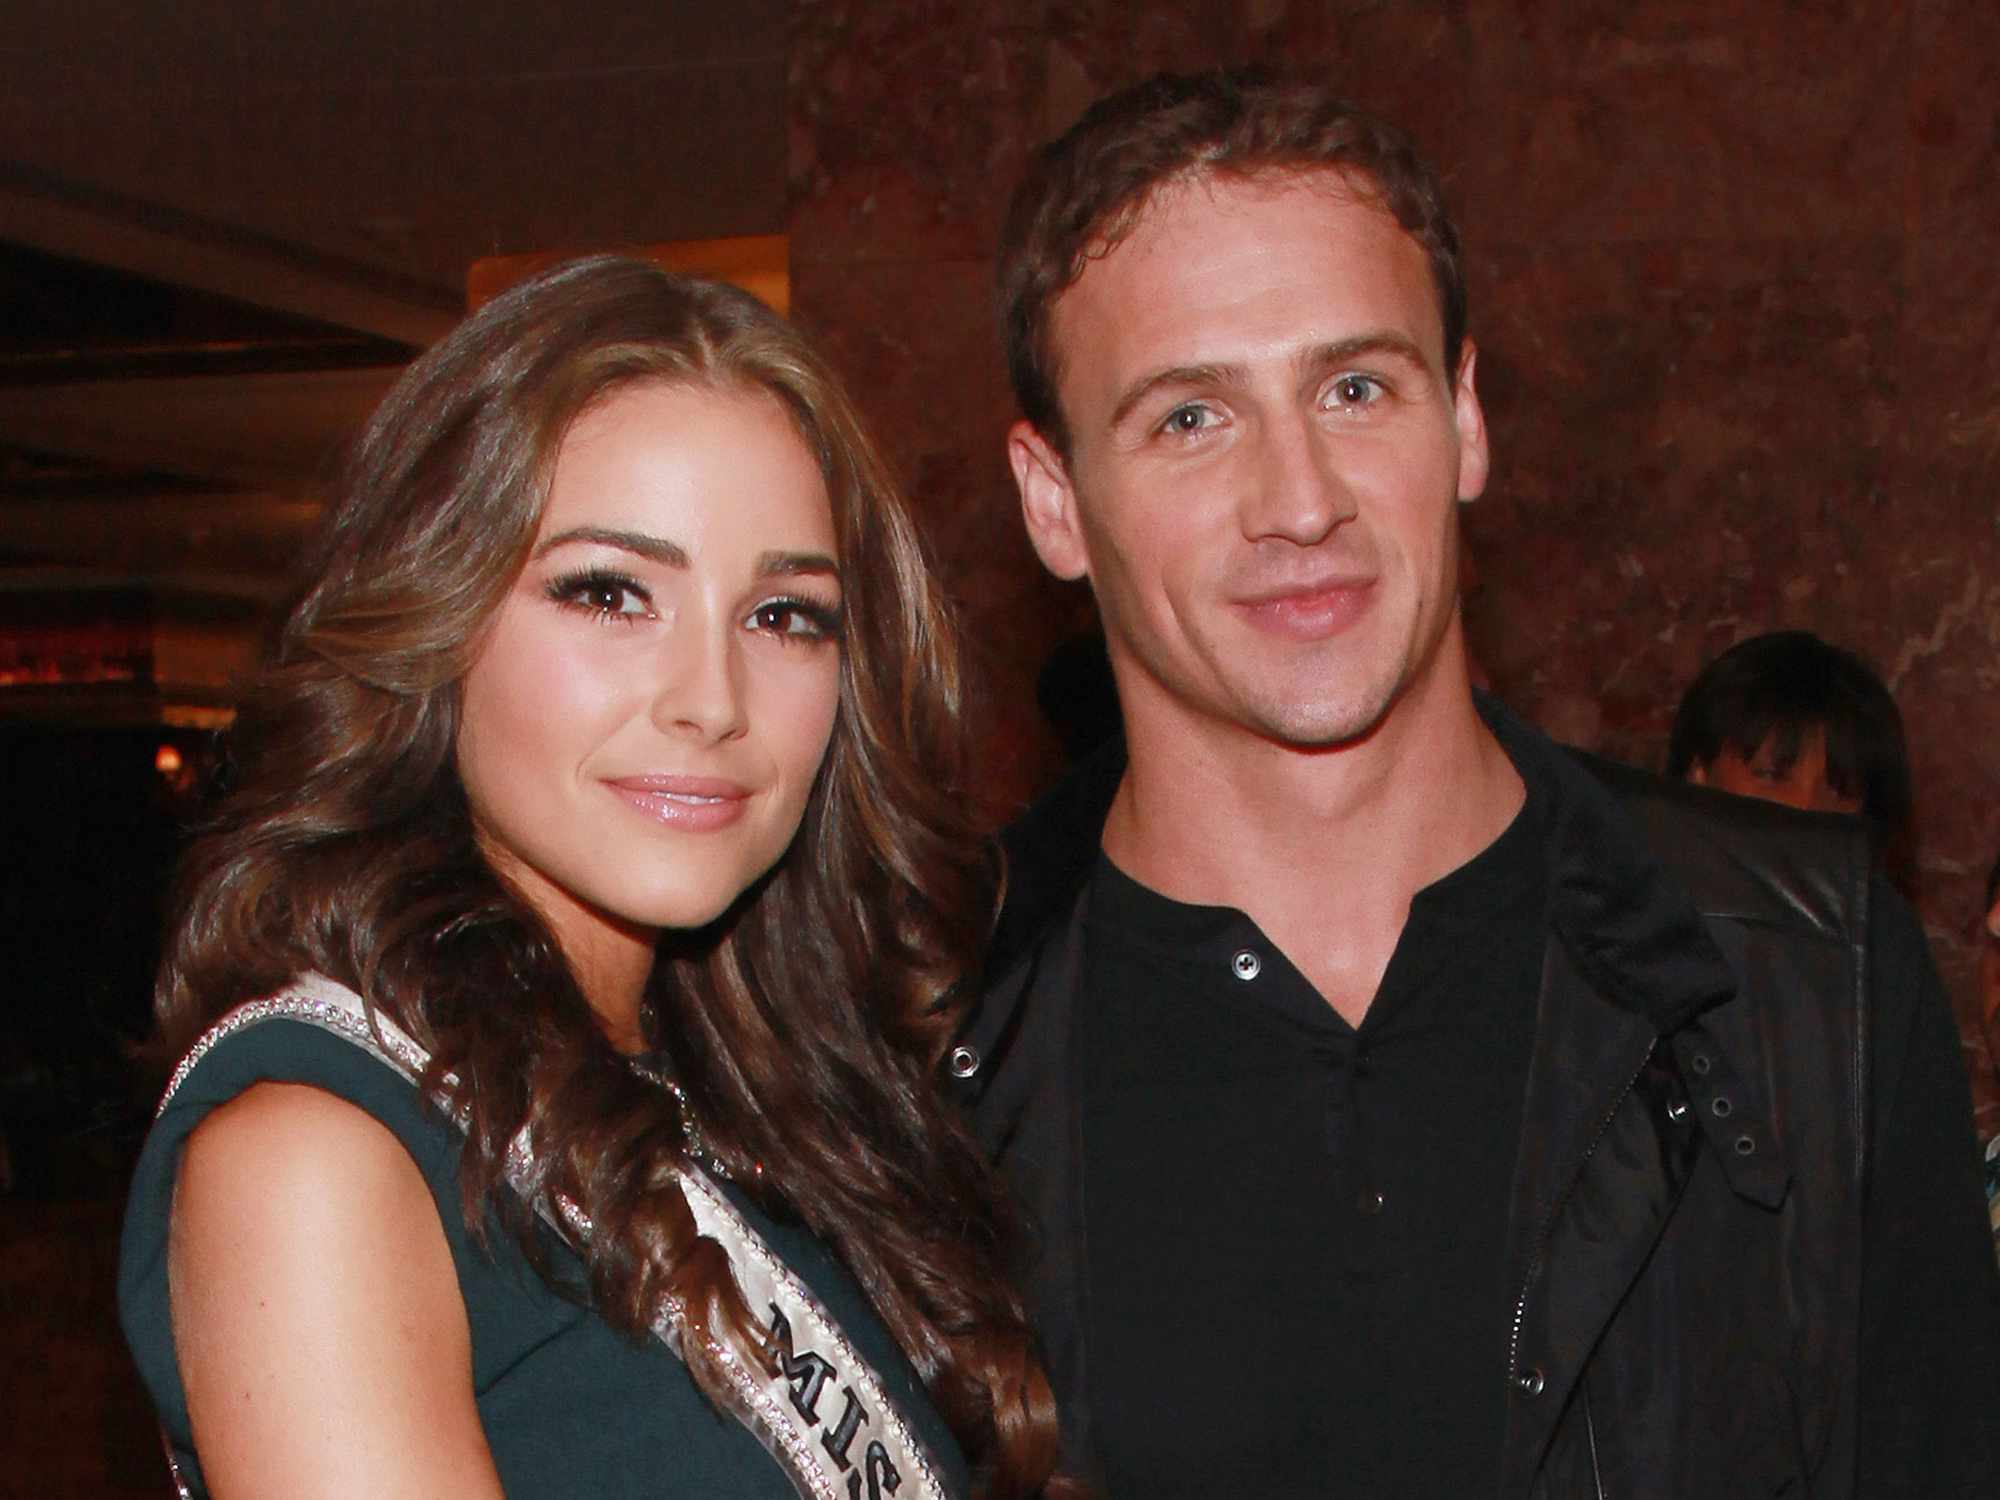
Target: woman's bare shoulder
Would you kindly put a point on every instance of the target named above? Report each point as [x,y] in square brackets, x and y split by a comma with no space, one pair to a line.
[317,1319]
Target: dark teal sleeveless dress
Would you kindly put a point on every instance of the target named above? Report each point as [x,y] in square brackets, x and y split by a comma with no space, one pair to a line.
[570,1407]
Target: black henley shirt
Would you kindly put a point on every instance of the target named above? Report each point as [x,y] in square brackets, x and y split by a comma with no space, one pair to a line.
[1296,1225]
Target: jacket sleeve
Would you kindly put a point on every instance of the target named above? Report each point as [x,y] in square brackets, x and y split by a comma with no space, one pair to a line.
[1930,1295]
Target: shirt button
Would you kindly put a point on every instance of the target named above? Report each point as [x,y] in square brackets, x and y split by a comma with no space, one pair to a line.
[1530,1382]
[1370,1202]
[1246,965]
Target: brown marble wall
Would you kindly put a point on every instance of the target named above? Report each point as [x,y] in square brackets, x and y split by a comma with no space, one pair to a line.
[78,1423]
[1731,282]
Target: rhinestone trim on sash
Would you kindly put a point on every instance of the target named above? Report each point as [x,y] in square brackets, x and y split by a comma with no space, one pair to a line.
[781,1409]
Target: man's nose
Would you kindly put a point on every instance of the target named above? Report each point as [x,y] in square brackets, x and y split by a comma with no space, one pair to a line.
[1298,492]
[700,692]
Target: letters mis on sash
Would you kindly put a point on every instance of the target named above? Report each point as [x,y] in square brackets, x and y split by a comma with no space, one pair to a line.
[807,1374]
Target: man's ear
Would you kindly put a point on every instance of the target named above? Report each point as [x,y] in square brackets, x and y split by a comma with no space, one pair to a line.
[1471,423]
[1048,501]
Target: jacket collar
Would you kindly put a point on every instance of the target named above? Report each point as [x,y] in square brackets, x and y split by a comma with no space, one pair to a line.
[1624,919]
[1050,851]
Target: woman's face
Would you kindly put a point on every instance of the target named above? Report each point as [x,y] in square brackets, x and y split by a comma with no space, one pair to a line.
[645,717]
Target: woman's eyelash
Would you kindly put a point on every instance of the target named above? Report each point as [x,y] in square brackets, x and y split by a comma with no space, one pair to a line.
[612,596]
[822,621]
[600,592]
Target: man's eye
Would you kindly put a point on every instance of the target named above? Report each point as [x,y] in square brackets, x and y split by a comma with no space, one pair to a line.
[1183,420]
[1354,390]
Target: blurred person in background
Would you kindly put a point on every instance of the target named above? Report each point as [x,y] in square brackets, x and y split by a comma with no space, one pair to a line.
[1789,718]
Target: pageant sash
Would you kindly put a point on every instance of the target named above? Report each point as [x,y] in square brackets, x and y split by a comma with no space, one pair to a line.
[821,1413]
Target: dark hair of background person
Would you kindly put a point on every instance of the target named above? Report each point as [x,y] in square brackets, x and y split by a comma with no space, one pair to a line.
[804,1025]
[1786,687]
[1084,192]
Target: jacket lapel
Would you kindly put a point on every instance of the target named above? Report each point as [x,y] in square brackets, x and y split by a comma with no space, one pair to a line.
[1597,1179]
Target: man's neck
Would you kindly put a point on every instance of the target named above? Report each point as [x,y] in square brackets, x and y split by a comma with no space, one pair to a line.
[1323,849]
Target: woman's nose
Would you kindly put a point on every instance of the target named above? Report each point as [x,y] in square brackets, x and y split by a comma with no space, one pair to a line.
[700,692]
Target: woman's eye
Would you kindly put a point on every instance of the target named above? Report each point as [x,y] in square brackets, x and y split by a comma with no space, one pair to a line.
[605,595]
[798,619]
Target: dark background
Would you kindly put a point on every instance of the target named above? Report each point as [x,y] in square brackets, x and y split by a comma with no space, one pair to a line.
[1732,282]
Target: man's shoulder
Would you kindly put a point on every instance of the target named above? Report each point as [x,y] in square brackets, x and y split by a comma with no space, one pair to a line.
[1742,858]
[1614,828]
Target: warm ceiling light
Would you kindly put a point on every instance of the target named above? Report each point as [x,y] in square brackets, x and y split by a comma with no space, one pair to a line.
[759,263]
[167,760]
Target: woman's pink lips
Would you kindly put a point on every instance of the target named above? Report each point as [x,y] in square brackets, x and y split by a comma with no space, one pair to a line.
[1313,612]
[696,804]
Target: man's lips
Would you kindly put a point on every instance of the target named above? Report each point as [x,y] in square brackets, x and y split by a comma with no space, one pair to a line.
[694,803]
[1309,611]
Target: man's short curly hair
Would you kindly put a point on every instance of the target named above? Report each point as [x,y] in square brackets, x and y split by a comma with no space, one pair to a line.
[1085,191]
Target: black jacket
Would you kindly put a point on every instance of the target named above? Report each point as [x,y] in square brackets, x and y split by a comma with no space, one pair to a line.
[1685,1217]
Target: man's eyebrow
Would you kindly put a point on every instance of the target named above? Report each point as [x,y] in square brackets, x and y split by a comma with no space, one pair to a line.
[1145,385]
[655,548]
[1322,357]
[1315,360]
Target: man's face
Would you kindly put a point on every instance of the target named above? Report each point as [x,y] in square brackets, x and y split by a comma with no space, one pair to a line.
[1266,458]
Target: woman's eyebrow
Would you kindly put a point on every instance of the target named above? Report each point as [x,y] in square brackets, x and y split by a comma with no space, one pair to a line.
[790,564]
[671,554]
[655,548]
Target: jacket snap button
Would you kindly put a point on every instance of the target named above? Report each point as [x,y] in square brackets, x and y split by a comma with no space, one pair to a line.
[1720,1106]
[1530,1383]
[1699,1062]
[1745,1146]
[1247,965]
[1677,1111]
[964,1062]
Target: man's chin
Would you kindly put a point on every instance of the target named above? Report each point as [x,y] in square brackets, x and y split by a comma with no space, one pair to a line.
[1327,727]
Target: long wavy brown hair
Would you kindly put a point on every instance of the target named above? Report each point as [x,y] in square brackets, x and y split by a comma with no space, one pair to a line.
[804,1026]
